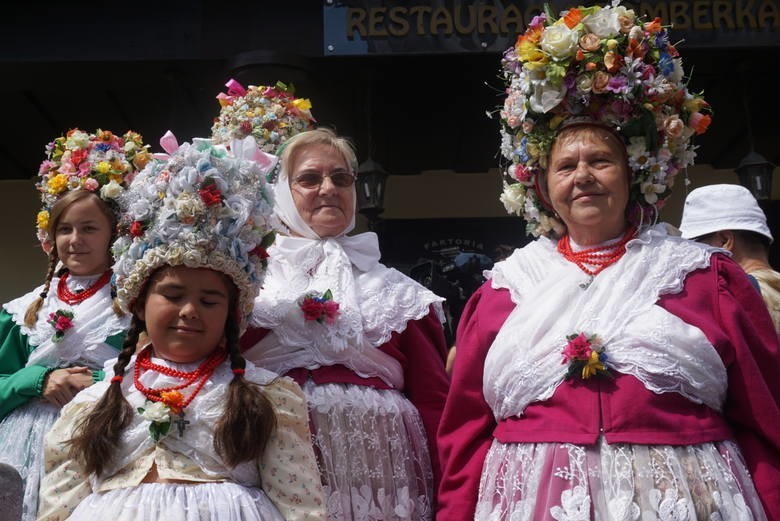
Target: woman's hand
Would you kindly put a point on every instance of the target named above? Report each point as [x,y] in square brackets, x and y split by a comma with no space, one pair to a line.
[62,385]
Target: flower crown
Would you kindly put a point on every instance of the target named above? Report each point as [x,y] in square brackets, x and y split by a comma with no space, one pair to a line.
[599,65]
[272,115]
[101,162]
[203,207]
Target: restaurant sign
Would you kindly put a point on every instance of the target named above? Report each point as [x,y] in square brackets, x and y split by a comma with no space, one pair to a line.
[362,27]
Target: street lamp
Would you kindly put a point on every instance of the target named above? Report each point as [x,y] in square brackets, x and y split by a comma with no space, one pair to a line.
[755,174]
[371,179]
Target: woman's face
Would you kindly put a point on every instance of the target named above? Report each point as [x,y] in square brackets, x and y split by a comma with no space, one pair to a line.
[587,183]
[82,235]
[185,311]
[326,208]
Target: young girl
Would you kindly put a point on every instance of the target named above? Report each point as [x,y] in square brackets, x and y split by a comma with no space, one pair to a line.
[186,427]
[55,339]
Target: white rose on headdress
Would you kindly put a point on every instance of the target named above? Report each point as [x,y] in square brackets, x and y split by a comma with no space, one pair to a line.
[112,190]
[584,83]
[603,23]
[546,97]
[188,206]
[140,209]
[513,198]
[559,41]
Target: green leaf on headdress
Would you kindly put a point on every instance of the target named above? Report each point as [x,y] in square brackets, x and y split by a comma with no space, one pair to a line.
[268,240]
[643,126]
[328,295]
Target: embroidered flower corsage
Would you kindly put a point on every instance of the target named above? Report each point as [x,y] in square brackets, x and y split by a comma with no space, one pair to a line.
[585,356]
[159,413]
[61,320]
[321,308]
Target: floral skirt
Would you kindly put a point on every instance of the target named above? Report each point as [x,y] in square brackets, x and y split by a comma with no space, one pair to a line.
[373,453]
[178,502]
[618,482]
[21,446]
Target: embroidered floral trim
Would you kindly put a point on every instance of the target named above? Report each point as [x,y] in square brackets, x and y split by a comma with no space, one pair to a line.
[159,413]
[585,356]
[61,320]
[321,308]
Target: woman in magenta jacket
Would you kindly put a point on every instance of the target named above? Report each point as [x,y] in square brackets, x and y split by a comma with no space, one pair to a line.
[608,370]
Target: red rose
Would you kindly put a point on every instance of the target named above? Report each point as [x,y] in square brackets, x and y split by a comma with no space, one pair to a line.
[312,310]
[260,252]
[136,229]
[210,195]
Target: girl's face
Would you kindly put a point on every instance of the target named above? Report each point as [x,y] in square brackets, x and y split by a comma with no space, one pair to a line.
[82,235]
[185,311]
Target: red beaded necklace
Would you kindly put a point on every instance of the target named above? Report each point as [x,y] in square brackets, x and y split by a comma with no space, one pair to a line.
[67,296]
[198,377]
[600,257]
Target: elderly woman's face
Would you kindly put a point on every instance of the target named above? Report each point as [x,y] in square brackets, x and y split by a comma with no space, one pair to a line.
[327,207]
[588,181]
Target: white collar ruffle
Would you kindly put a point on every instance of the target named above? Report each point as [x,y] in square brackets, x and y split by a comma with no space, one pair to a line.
[642,339]
[374,302]
[93,322]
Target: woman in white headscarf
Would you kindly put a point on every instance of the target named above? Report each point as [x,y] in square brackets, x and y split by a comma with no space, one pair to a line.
[364,341]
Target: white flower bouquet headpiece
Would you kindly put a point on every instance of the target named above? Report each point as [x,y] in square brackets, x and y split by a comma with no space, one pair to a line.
[102,162]
[271,115]
[600,65]
[203,207]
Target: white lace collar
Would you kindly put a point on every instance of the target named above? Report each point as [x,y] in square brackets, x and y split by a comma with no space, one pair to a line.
[373,304]
[93,322]
[523,364]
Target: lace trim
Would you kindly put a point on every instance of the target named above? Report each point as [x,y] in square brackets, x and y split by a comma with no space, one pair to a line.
[527,481]
[641,338]
[93,322]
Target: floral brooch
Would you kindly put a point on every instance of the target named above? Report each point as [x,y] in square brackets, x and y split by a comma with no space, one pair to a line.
[585,356]
[61,320]
[321,308]
[159,414]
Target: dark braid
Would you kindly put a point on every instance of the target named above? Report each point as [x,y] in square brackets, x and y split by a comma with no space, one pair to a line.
[31,315]
[248,421]
[97,435]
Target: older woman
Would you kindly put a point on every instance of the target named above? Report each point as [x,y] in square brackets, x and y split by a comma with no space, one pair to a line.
[364,341]
[608,370]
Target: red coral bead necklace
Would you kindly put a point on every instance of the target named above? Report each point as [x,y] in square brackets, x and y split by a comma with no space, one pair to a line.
[69,297]
[198,377]
[595,260]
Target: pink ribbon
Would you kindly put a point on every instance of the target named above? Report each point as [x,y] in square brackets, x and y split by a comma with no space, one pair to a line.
[169,144]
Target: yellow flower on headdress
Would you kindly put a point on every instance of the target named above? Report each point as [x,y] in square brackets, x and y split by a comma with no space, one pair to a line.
[103,167]
[42,219]
[302,104]
[57,183]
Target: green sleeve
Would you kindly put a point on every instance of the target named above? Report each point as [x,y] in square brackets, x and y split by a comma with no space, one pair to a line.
[18,384]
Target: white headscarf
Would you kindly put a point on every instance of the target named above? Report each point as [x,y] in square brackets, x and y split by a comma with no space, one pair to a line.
[374,300]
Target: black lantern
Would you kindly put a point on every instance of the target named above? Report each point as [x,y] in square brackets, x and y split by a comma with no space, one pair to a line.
[755,174]
[371,178]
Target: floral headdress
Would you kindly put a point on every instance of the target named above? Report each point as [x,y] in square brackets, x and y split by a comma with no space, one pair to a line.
[203,207]
[599,65]
[271,115]
[103,163]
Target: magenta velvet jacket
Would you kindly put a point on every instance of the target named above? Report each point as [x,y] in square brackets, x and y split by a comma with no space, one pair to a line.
[719,300]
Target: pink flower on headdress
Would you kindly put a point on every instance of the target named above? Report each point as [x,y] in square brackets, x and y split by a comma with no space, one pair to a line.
[91,184]
[699,122]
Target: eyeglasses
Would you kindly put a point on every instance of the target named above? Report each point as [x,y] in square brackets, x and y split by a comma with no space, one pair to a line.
[339,178]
